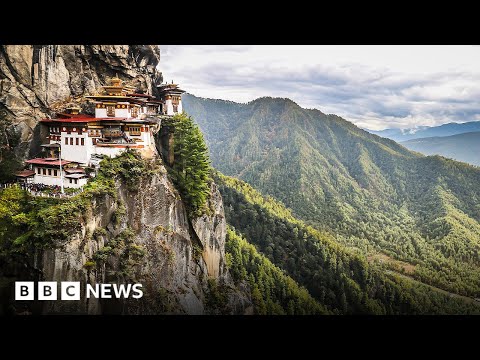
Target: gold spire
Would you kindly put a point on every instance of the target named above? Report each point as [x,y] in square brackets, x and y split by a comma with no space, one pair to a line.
[73,109]
[116,81]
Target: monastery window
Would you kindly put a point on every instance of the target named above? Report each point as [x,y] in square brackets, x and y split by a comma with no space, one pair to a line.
[75,180]
[134,112]
[110,110]
[134,131]
[70,181]
[82,141]
[55,173]
[49,172]
[39,171]
[71,141]
[44,171]
[76,141]
[66,141]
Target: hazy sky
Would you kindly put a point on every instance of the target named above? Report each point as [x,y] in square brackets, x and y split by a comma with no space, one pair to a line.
[373,86]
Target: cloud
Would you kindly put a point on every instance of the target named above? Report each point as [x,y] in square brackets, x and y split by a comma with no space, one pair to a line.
[374,86]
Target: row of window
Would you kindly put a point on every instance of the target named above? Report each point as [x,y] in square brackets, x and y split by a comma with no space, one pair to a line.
[94,132]
[111,111]
[53,172]
[78,141]
[44,171]
[134,130]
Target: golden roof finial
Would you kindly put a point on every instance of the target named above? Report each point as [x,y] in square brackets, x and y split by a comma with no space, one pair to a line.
[116,81]
[73,109]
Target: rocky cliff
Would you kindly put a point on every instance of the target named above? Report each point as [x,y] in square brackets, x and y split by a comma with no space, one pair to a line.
[34,79]
[143,235]
[133,235]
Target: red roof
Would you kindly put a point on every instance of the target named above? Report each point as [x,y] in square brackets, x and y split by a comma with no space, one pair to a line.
[84,120]
[71,116]
[75,171]
[25,173]
[42,161]
[76,176]
[111,118]
[77,119]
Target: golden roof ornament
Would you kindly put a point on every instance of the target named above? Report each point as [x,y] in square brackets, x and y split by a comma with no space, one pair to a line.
[73,109]
[116,81]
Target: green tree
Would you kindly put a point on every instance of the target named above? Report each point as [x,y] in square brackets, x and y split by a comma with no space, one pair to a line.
[191,169]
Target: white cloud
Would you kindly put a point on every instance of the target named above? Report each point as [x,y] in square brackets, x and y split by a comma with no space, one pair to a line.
[374,86]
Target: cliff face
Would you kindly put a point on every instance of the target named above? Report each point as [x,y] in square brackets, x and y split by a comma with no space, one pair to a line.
[141,235]
[36,78]
[147,238]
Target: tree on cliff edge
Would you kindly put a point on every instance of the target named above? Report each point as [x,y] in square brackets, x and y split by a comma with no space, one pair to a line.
[191,169]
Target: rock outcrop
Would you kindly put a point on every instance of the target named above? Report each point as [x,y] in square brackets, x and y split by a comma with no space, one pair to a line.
[36,78]
[140,235]
[149,240]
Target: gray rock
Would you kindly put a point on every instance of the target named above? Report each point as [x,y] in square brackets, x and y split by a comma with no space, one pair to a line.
[180,254]
[172,264]
[36,78]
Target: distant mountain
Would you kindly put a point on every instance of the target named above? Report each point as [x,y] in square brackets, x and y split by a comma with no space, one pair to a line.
[372,194]
[426,131]
[463,147]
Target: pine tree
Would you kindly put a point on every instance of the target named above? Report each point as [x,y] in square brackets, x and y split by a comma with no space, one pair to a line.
[191,169]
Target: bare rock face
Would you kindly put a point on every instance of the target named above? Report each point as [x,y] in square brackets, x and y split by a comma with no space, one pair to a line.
[35,78]
[211,231]
[150,240]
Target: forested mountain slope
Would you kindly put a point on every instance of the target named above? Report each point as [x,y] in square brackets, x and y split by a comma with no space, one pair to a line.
[370,193]
[345,281]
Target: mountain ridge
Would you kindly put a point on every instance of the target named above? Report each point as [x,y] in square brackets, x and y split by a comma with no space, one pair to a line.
[428,131]
[461,147]
[372,193]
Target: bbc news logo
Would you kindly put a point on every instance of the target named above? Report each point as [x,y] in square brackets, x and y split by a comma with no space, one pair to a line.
[70,290]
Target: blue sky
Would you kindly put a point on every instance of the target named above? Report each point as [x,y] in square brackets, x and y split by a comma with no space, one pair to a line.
[375,87]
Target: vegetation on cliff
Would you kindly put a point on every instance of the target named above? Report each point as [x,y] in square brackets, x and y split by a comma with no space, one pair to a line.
[191,171]
[28,223]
